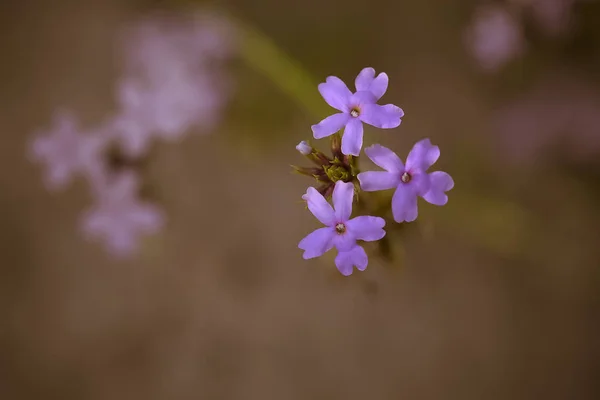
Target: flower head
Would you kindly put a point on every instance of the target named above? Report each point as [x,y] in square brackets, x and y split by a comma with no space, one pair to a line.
[410,179]
[340,231]
[173,80]
[66,151]
[495,37]
[119,217]
[356,108]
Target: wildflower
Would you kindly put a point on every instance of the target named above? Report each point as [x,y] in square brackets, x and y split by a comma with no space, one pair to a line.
[119,217]
[170,83]
[340,231]
[495,37]
[304,148]
[410,180]
[66,151]
[356,108]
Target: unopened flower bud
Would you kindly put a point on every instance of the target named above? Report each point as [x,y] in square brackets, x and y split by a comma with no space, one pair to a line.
[304,148]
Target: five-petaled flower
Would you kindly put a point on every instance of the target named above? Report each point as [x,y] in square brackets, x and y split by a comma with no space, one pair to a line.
[340,231]
[356,108]
[119,218]
[66,151]
[410,179]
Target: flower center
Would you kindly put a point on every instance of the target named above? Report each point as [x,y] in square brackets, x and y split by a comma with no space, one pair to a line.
[337,173]
[340,228]
[405,178]
[355,112]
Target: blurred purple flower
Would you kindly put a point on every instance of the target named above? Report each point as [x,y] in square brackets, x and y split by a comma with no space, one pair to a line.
[340,231]
[67,152]
[170,82]
[494,37]
[559,111]
[356,108]
[410,180]
[553,16]
[119,218]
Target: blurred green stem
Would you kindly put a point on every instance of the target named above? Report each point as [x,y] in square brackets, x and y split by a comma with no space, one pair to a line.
[261,54]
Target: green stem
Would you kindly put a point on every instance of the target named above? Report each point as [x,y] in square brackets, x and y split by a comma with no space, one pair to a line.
[260,53]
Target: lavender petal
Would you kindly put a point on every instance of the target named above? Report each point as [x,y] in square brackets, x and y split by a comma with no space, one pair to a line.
[367,228]
[441,182]
[352,140]
[346,260]
[319,207]
[317,243]
[343,194]
[384,117]
[404,204]
[384,158]
[364,79]
[423,155]
[330,125]
[372,181]
[336,93]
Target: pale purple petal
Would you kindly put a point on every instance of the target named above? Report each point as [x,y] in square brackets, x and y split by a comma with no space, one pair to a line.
[344,241]
[319,207]
[384,117]
[361,99]
[379,85]
[420,183]
[422,156]
[346,260]
[367,228]
[367,82]
[118,217]
[404,204]
[317,243]
[441,182]
[336,93]
[330,125]
[352,140]
[371,181]
[364,79]
[384,158]
[343,195]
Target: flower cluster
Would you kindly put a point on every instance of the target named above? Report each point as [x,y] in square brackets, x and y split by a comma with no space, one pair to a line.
[340,179]
[170,84]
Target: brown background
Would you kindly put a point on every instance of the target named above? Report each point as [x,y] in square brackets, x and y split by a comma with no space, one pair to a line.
[496,295]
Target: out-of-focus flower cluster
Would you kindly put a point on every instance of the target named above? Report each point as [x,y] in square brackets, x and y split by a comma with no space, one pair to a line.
[172,81]
[339,178]
[559,113]
[496,33]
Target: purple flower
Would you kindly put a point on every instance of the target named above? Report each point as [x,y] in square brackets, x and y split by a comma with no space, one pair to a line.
[119,217]
[356,108]
[67,152]
[410,180]
[132,126]
[340,231]
[173,79]
[494,37]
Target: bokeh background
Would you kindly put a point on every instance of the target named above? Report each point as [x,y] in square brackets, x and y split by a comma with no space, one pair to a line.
[494,296]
